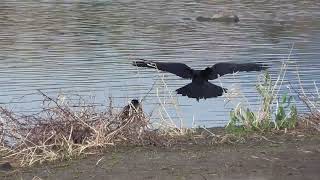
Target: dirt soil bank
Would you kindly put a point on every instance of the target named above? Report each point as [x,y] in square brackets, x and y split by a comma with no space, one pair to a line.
[281,158]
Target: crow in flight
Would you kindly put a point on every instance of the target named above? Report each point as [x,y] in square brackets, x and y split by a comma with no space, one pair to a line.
[200,88]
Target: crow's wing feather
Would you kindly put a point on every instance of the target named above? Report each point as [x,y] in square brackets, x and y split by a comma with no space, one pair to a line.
[178,69]
[229,68]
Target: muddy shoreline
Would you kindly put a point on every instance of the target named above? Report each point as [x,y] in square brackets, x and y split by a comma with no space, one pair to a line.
[281,156]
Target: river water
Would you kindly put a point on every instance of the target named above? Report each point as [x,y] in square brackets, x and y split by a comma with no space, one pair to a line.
[77,47]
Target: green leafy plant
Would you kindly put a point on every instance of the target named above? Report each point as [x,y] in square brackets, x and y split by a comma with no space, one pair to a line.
[243,118]
[286,115]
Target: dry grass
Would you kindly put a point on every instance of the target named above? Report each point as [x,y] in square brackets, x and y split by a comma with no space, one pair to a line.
[61,131]
[65,129]
[310,121]
[310,98]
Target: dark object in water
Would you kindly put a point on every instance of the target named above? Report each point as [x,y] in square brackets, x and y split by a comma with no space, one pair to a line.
[134,107]
[186,18]
[200,88]
[6,167]
[222,17]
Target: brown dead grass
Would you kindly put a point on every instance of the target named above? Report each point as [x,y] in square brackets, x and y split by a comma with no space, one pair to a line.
[61,131]
[64,131]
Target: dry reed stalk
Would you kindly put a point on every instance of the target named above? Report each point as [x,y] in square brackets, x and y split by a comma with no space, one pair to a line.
[63,131]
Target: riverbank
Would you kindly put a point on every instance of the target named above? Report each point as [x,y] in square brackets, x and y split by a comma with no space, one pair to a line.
[64,141]
[291,155]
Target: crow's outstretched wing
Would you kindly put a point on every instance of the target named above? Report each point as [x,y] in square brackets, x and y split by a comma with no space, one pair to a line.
[178,69]
[201,91]
[229,68]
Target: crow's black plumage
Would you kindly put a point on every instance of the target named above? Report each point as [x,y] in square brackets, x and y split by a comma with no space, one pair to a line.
[200,87]
[134,107]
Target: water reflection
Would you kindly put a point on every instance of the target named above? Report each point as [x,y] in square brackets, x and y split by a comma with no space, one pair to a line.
[86,48]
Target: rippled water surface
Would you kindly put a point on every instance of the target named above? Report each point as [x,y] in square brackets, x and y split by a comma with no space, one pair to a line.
[86,48]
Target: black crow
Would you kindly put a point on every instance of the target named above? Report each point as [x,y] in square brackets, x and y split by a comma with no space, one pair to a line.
[134,107]
[200,88]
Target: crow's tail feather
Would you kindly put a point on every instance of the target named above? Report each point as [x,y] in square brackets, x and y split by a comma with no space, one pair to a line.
[201,91]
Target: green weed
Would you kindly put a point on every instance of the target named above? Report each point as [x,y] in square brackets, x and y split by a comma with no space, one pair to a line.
[274,113]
